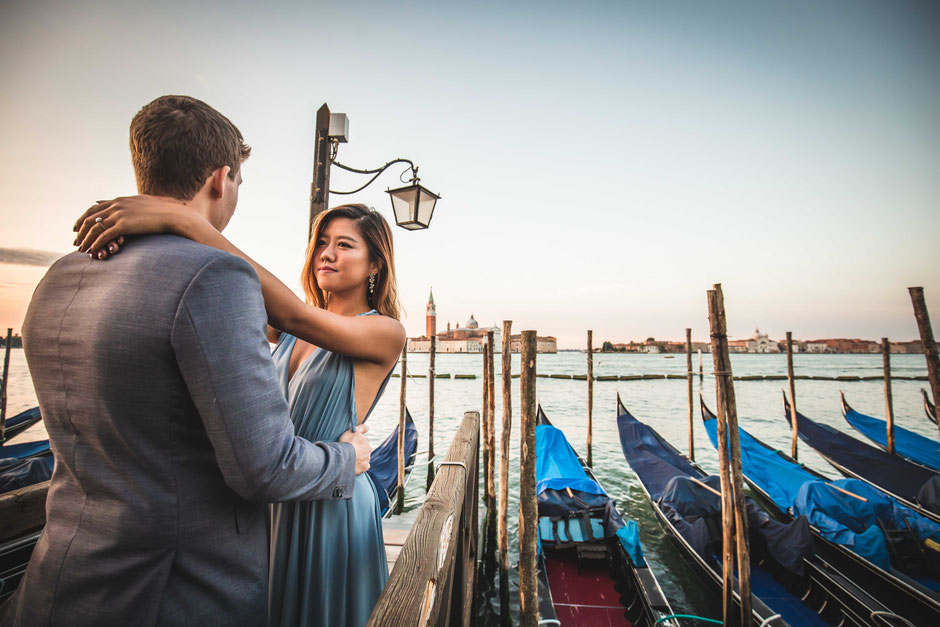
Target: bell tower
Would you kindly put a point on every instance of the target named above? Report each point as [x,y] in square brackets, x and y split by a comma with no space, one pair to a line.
[431,330]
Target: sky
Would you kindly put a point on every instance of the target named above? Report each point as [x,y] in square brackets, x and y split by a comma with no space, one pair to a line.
[601,164]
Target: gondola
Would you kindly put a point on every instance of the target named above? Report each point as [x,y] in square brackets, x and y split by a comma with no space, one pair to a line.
[25,450]
[909,445]
[383,465]
[593,561]
[882,546]
[20,423]
[787,579]
[913,485]
[929,408]
[19,473]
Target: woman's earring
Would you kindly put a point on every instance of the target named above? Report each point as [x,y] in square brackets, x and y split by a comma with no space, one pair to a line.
[371,284]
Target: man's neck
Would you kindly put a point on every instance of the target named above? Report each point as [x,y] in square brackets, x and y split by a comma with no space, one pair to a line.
[198,204]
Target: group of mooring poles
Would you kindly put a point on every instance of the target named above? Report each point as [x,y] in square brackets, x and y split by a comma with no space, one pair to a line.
[733,512]
[930,353]
[734,519]
[495,525]
[495,549]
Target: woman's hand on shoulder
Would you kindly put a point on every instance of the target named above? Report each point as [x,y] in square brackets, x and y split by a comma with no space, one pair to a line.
[106,221]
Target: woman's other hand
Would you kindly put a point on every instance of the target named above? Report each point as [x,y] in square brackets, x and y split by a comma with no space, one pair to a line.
[111,249]
[102,227]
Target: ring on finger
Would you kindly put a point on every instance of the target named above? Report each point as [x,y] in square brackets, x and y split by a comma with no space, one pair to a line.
[98,221]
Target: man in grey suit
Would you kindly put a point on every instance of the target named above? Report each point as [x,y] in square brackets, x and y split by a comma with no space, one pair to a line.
[168,425]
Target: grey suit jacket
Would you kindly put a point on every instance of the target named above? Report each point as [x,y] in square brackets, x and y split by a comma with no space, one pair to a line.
[170,432]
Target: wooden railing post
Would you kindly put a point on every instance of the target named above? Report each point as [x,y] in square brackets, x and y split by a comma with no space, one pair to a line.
[400,500]
[792,381]
[927,341]
[688,376]
[889,403]
[433,579]
[502,534]
[590,392]
[729,457]
[528,506]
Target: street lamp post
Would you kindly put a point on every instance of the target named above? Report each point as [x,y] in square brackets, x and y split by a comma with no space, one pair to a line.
[412,205]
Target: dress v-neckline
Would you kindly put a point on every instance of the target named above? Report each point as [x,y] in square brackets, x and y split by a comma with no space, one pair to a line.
[303,362]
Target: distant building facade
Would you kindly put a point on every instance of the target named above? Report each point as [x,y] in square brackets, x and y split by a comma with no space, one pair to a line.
[760,343]
[468,338]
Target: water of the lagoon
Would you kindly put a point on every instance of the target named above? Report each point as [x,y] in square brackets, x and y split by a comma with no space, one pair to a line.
[660,403]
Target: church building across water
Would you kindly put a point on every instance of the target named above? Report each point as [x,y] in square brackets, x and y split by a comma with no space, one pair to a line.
[468,338]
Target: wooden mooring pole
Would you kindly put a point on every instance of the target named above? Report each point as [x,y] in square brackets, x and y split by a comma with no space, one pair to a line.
[590,391]
[502,533]
[491,410]
[432,351]
[889,403]
[488,469]
[688,366]
[528,506]
[729,457]
[926,339]
[403,409]
[3,385]
[792,382]
[490,558]
[701,367]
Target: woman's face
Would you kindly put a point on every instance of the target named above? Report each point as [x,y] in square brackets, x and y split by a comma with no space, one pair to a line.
[341,257]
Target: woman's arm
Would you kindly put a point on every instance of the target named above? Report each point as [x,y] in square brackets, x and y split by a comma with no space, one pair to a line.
[377,339]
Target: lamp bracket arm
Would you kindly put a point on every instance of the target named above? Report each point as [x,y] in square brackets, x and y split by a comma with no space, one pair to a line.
[377,172]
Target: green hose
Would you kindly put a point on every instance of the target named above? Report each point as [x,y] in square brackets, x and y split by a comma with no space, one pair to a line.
[692,616]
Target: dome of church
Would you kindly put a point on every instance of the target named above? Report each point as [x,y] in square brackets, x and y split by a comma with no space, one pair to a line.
[472,323]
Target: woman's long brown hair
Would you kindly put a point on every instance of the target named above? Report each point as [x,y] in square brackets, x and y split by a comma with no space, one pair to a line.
[378,237]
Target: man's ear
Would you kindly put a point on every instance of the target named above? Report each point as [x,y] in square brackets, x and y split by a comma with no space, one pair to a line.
[217,181]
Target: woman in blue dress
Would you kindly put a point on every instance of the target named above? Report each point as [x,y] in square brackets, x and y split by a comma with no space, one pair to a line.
[327,561]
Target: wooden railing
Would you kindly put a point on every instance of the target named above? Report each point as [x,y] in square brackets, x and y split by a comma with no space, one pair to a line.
[432,581]
[23,510]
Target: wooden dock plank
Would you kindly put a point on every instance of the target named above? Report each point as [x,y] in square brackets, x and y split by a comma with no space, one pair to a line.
[395,531]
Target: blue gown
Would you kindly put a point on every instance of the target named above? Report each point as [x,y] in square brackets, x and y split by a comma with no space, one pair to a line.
[328,562]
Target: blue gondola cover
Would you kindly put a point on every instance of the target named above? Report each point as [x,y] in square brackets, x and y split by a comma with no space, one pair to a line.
[558,471]
[893,474]
[19,473]
[908,444]
[694,511]
[383,465]
[22,451]
[840,518]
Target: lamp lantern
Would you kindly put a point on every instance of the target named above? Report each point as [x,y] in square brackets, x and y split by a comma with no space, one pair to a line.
[413,205]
